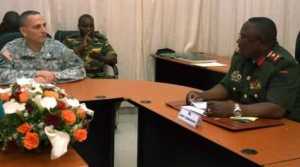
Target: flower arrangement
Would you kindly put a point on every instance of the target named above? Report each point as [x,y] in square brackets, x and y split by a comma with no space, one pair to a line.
[37,115]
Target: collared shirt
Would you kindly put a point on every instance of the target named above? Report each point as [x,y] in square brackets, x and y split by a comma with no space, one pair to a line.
[53,56]
[270,78]
[99,46]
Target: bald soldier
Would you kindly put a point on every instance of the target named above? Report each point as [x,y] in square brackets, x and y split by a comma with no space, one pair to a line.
[262,80]
[38,57]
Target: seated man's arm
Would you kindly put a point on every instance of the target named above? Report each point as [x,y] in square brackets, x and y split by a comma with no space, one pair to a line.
[73,67]
[107,54]
[218,92]
[281,97]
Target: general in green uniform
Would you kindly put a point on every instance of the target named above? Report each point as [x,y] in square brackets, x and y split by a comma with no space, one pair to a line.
[263,79]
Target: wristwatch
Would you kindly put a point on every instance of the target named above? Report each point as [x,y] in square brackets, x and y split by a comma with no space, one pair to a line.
[237,111]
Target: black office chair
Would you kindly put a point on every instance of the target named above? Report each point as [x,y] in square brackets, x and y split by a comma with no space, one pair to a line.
[5,38]
[297,48]
[62,35]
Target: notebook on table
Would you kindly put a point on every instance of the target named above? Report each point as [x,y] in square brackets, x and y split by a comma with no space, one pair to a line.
[229,123]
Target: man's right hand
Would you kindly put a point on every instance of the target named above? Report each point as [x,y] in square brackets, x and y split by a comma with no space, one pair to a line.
[86,39]
[48,76]
[193,96]
[40,79]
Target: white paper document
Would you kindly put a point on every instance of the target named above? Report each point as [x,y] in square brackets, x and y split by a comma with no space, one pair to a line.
[200,105]
[211,64]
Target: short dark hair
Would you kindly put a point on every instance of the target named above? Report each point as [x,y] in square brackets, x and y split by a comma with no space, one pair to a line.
[26,14]
[83,17]
[11,21]
[266,28]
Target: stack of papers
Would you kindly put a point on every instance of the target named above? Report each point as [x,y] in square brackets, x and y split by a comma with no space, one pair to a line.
[196,107]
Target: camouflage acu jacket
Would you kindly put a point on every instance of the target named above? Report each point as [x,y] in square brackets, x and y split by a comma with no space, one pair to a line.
[54,56]
[97,47]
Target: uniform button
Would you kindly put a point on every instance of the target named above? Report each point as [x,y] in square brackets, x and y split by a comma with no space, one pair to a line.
[248,78]
[245,96]
[234,88]
[255,95]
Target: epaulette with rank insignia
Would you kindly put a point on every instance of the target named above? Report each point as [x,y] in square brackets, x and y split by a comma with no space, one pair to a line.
[273,57]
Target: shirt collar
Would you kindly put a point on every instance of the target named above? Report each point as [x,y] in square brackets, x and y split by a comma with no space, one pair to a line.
[28,52]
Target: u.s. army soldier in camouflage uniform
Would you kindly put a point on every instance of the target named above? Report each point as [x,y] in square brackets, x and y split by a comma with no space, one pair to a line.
[36,56]
[262,80]
[92,47]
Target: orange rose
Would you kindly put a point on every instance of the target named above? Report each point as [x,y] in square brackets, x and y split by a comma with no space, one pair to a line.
[24,128]
[50,93]
[68,116]
[80,135]
[23,97]
[81,113]
[5,96]
[31,140]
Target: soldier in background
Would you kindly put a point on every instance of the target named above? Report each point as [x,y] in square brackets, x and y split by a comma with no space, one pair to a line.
[263,80]
[38,57]
[92,47]
[10,22]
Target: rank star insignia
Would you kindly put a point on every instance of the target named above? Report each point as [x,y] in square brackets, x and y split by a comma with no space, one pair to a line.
[255,85]
[236,76]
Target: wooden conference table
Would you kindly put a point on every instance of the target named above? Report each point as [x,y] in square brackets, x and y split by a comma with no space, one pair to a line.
[165,141]
[18,159]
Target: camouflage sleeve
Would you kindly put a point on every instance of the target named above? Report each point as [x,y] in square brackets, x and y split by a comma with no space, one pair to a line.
[73,67]
[8,73]
[107,49]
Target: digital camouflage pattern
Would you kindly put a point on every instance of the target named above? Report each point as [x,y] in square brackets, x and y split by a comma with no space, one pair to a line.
[54,56]
[269,78]
[99,46]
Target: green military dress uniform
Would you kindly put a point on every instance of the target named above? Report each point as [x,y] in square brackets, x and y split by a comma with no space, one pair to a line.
[269,78]
[99,46]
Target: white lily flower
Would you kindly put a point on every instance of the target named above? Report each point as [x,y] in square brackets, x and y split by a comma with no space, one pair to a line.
[5,90]
[88,111]
[35,88]
[25,81]
[59,141]
[37,99]
[74,103]
[48,102]
[12,107]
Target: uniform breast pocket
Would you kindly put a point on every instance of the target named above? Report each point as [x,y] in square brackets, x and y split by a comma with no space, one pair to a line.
[52,63]
[24,64]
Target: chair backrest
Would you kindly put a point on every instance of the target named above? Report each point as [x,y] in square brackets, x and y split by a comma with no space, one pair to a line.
[60,35]
[5,38]
[297,48]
